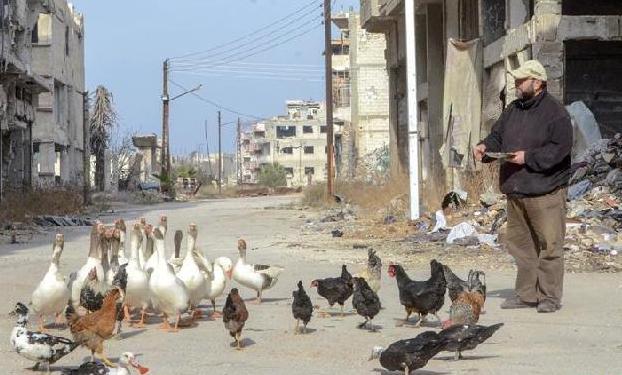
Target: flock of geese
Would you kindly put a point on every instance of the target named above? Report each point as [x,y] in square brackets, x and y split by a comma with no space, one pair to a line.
[170,287]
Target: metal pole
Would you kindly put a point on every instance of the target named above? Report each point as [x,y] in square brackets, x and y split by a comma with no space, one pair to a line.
[209,160]
[328,55]
[165,154]
[86,147]
[219,154]
[413,110]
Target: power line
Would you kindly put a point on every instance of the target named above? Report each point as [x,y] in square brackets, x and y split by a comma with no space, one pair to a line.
[274,67]
[238,56]
[257,38]
[288,16]
[228,75]
[216,104]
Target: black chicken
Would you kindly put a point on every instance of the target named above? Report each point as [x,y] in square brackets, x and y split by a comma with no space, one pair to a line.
[335,289]
[411,354]
[235,315]
[302,308]
[365,301]
[421,297]
[461,337]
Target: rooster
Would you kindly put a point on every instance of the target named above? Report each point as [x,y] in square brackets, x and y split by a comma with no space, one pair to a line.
[468,305]
[372,273]
[235,315]
[421,297]
[92,329]
[302,308]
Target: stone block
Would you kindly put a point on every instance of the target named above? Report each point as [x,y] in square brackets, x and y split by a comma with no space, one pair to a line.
[543,7]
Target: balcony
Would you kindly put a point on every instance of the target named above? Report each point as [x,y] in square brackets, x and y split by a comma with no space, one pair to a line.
[374,14]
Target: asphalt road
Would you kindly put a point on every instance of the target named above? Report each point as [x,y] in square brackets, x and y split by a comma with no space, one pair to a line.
[585,337]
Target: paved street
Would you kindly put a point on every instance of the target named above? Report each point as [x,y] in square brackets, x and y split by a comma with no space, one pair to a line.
[585,337]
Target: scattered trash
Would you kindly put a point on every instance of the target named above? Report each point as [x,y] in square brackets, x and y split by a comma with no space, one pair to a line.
[359,246]
[489,198]
[467,241]
[61,221]
[585,128]
[337,233]
[500,218]
[460,231]
[454,199]
[579,189]
[441,221]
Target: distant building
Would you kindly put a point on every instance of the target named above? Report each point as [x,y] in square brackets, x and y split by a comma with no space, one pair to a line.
[360,93]
[58,56]
[296,141]
[147,159]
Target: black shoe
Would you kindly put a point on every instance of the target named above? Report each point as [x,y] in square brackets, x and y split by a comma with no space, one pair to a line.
[516,303]
[548,306]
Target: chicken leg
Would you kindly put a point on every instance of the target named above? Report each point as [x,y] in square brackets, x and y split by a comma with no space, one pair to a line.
[238,342]
[457,356]
[104,359]
[406,370]
[215,314]
[165,326]
[258,300]
[296,328]
[42,328]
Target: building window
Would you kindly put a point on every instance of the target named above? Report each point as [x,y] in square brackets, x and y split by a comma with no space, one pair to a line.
[323,129]
[309,170]
[494,20]
[66,40]
[307,129]
[285,131]
[35,33]
[289,171]
[309,150]
[287,150]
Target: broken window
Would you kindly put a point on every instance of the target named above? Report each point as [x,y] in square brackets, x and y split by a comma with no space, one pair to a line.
[289,171]
[307,129]
[309,170]
[340,48]
[287,150]
[591,8]
[494,20]
[66,40]
[309,150]
[59,102]
[469,20]
[285,131]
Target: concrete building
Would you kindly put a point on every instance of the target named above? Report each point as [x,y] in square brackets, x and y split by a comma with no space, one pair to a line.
[19,90]
[463,52]
[58,134]
[296,141]
[147,160]
[361,93]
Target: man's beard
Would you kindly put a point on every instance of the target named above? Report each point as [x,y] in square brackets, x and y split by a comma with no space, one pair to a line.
[529,92]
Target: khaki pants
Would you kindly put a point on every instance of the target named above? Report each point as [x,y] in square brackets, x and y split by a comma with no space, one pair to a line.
[535,238]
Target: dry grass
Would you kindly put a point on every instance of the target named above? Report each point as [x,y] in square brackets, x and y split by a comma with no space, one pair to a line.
[211,192]
[478,182]
[21,206]
[315,196]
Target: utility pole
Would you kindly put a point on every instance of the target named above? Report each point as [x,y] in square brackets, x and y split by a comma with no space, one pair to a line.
[219,154]
[328,58]
[209,160]
[238,150]
[165,154]
[86,149]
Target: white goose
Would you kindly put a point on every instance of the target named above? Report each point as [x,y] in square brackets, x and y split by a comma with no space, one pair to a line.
[51,296]
[137,293]
[216,281]
[176,260]
[120,225]
[143,255]
[153,259]
[168,294]
[93,261]
[258,277]
[110,261]
[190,273]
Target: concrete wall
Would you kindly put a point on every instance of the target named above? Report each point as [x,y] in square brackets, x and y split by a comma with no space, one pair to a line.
[58,56]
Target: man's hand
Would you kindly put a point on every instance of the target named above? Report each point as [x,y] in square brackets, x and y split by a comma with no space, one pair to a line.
[478,151]
[518,158]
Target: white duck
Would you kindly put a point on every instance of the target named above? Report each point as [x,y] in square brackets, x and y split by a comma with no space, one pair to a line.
[137,294]
[258,277]
[93,261]
[153,259]
[126,359]
[168,293]
[216,281]
[190,273]
[51,295]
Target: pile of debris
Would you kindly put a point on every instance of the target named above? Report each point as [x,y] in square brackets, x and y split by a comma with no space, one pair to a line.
[62,221]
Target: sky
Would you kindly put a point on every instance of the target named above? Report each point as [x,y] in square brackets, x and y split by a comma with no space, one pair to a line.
[127,41]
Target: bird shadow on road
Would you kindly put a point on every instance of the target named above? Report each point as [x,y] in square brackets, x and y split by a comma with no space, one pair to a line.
[502,293]
[334,314]
[127,335]
[466,357]
[416,372]
[245,342]
[251,301]
[411,324]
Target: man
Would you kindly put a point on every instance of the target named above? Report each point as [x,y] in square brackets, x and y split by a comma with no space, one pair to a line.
[537,131]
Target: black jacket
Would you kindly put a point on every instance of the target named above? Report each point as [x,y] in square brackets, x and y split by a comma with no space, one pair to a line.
[541,127]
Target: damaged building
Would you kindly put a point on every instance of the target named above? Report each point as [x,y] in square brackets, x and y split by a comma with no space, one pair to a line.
[463,51]
[360,94]
[58,134]
[296,141]
[19,90]
[41,101]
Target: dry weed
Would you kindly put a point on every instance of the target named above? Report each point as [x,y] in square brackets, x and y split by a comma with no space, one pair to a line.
[20,206]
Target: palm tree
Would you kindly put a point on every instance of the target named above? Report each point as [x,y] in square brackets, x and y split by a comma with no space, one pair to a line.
[103,120]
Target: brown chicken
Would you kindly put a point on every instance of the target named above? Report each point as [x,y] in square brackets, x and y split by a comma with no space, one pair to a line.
[92,329]
[465,309]
[235,315]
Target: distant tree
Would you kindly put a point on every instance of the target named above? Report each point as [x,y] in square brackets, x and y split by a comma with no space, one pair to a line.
[272,175]
[103,118]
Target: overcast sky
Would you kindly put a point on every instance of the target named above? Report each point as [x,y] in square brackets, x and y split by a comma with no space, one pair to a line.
[126,42]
